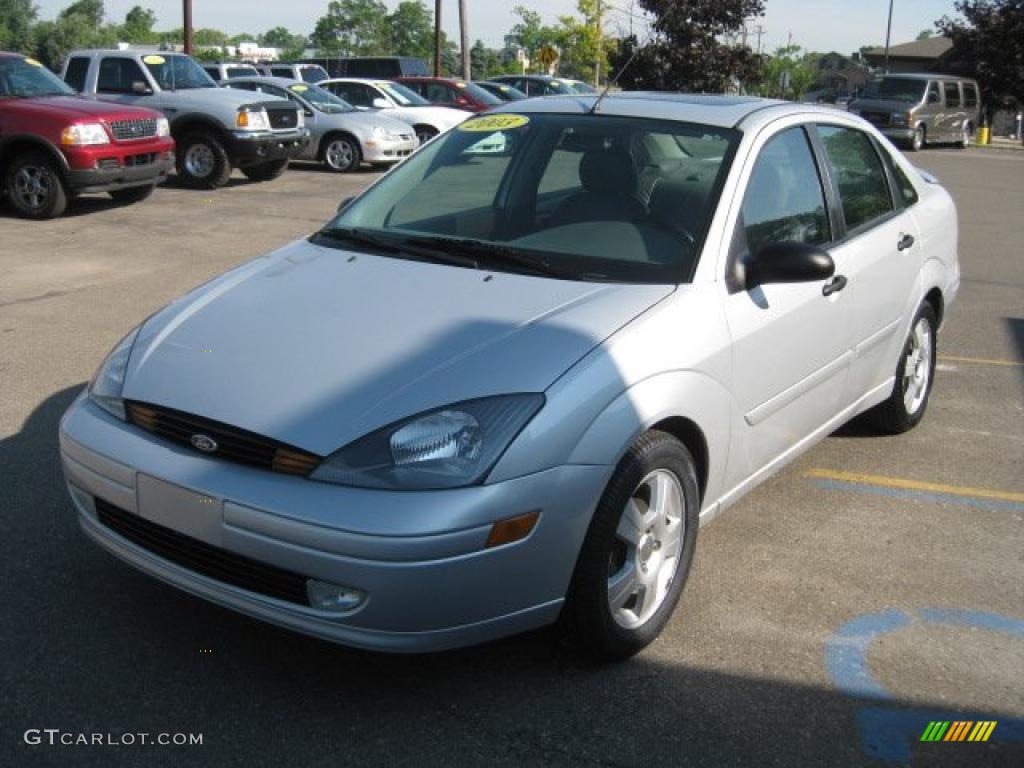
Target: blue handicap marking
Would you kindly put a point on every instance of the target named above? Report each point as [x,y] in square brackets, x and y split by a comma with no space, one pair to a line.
[888,733]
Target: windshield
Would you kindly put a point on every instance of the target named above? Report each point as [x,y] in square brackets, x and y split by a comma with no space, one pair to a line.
[322,99]
[25,78]
[480,95]
[895,88]
[177,73]
[403,97]
[234,72]
[313,73]
[582,197]
[578,86]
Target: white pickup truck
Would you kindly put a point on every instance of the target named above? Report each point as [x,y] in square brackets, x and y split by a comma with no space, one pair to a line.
[216,129]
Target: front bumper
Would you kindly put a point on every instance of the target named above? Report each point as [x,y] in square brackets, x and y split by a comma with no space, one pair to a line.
[122,172]
[420,557]
[250,147]
[388,150]
[899,135]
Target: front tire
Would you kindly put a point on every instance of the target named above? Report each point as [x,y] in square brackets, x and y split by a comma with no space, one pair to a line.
[425,133]
[915,374]
[267,171]
[341,154]
[35,186]
[920,139]
[202,162]
[637,552]
[965,137]
[132,194]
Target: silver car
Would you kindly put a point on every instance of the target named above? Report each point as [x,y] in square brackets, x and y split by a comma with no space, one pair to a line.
[341,137]
[507,383]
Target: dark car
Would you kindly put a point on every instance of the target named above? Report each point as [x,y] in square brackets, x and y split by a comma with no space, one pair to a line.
[377,67]
[503,91]
[449,92]
[537,85]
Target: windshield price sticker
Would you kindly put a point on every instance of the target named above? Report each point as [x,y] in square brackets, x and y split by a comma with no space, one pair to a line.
[300,88]
[154,60]
[33,62]
[494,123]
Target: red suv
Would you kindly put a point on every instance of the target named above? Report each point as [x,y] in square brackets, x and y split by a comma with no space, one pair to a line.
[449,92]
[55,144]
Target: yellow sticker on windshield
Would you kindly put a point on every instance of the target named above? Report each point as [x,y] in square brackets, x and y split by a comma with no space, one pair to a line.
[494,123]
[300,88]
[154,60]
[33,62]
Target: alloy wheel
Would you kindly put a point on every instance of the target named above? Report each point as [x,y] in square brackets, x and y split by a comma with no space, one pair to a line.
[340,155]
[199,161]
[32,186]
[917,370]
[647,550]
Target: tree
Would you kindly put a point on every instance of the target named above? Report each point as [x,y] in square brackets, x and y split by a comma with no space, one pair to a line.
[89,11]
[80,25]
[16,20]
[688,53]
[802,69]
[580,40]
[925,34]
[138,25]
[209,38]
[411,30]
[988,40]
[352,28]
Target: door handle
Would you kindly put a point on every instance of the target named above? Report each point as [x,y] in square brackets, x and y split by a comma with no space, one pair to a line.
[906,241]
[834,285]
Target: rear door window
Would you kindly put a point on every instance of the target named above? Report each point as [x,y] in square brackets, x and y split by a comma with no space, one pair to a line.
[282,72]
[970,95]
[859,174]
[952,94]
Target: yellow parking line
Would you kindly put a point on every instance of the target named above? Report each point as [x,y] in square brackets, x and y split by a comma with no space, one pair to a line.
[978,361]
[913,485]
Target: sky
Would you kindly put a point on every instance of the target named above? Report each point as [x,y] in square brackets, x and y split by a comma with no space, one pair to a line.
[819,25]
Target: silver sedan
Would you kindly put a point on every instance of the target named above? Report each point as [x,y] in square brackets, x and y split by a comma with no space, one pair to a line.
[504,386]
[341,136]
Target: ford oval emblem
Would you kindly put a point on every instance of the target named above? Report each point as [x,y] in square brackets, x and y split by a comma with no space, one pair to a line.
[203,443]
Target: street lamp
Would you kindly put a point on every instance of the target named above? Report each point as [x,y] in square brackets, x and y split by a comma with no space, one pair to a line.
[888,36]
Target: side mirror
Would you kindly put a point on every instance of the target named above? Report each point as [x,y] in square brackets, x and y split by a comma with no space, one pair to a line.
[344,203]
[380,103]
[788,262]
[309,112]
[139,88]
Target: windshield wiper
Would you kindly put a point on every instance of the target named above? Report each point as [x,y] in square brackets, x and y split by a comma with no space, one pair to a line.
[500,254]
[398,247]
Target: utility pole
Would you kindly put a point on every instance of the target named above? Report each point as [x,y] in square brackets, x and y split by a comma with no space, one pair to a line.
[437,38]
[187,9]
[598,18]
[467,64]
[888,36]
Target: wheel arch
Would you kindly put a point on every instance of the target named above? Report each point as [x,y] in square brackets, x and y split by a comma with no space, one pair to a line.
[193,123]
[934,297]
[334,134]
[12,146]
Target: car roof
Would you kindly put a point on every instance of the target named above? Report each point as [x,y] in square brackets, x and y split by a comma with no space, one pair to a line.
[923,76]
[721,111]
[280,82]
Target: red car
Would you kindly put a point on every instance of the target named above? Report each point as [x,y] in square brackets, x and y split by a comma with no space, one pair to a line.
[55,145]
[449,92]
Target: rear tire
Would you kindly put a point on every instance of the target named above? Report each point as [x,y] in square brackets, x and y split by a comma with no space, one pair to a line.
[425,133]
[267,171]
[35,186]
[132,194]
[202,162]
[915,374]
[637,552]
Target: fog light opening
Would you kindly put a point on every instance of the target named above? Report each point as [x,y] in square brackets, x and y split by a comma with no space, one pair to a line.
[512,529]
[332,597]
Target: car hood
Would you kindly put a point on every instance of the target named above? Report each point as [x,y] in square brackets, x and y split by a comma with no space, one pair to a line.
[883,105]
[216,97]
[317,346]
[74,108]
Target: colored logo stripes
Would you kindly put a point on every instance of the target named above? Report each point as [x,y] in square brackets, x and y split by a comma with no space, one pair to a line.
[958,730]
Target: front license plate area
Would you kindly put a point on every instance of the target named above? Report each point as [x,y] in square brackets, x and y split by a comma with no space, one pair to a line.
[180,509]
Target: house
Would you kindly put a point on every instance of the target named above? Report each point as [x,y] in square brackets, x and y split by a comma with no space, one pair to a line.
[840,74]
[931,54]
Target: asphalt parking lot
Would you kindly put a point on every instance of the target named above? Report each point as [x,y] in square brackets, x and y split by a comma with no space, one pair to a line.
[871,588]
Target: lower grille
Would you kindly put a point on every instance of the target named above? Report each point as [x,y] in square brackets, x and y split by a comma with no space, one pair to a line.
[202,558]
[281,119]
[880,119]
[229,443]
[134,161]
[133,130]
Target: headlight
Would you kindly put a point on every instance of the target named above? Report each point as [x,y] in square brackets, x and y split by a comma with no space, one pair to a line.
[448,447]
[84,134]
[163,128]
[378,131]
[253,120]
[301,122]
[899,118]
[108,383]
